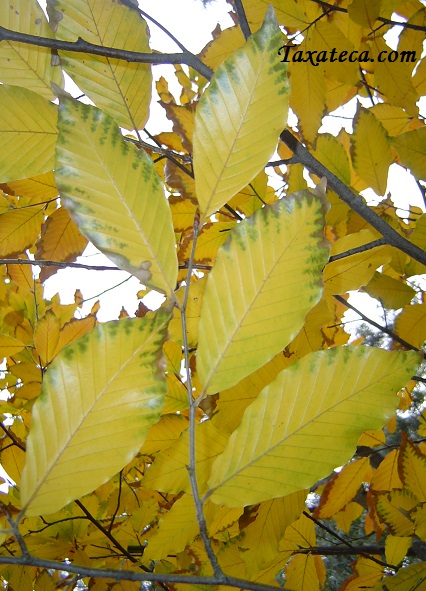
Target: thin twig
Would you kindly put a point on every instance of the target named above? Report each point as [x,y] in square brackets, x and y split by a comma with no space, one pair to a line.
[386,21]
[12,437]
[383,329]
[118,502]
[192,415]
[358,249]
[81,46]
[17,534]
[346,543]
[62,265]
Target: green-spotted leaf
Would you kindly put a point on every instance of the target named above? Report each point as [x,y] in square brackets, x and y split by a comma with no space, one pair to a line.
[100,397]
[308,421]
[266,278]
[28,132]
[239,118]
[122,89]
[114,195]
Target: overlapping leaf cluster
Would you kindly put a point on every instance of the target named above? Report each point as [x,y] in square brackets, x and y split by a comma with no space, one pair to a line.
[245,374]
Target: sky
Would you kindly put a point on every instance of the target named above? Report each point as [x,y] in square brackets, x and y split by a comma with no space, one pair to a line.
[192,24]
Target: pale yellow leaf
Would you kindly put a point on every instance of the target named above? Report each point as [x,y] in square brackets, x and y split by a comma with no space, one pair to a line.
[254,303]
[121,89]
[164,433]
[100,397]
[46,337]
[301,573]
[285,440]
[28,130]
[248,93]
[371,153]
[23,64]
[115,196]
[216,51]
[348,515]
[290,14]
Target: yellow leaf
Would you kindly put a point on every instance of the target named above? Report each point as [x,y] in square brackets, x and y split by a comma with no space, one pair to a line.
[9,346]
[60,240]
[216,51]
[220,518]
[348,515]
[255,289]
[19,229]
[22,64]
[182,117]
[393,509]
[164,433]
[248,91]
[100,397]
[175,531]
[411,147]
[333,155]
[290,14]
[419,518]
[396,548]
[46,337]
[342,488]
[169,473]
[367,573]
[412,469]
[122,89]
[12,461]
[115,196]
[284,440]
[301,573]
[410,325]
[394,119]
[372,438]
[371,153]
[308,93]
[261,537]
[410,578]
[41,187]
[393,293]
[364,12]
[354,271]
[176,395]
[75,329]
[28,126]
[393,79]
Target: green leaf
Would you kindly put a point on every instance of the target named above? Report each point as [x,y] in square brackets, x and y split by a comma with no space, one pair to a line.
[266,278]
[22,64]
[100,396]
[239,118]
[308,421]
[28,130]
[122,89]
[115,196]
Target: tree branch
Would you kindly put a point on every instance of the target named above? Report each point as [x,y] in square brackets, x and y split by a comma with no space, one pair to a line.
[242,19]
[355,202]
[386,21]
[62,265]
[383,329]
[126,575]
[81,46]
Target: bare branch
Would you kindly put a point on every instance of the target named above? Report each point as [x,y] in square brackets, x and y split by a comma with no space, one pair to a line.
[386,21]
[62,265]
[81,46]
[383,329]
[355,202]
[242,19]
